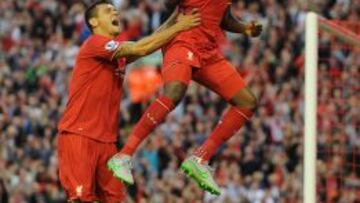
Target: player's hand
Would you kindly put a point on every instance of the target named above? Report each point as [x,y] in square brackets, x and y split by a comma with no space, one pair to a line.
[253,29]
[188,21]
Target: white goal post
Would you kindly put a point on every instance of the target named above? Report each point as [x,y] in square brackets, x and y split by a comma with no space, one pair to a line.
[311,59]
[315,23]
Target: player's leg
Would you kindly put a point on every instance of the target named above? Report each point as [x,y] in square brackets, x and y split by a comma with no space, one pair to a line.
[176,76]
[108,187]
[77,163]
[224,80]
[156,113]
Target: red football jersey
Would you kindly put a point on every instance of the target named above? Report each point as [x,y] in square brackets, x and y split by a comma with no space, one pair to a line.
[95,91]
[205,39]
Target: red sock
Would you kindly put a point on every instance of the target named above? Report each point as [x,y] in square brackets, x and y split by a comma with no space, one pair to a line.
[153,116]
[230,123]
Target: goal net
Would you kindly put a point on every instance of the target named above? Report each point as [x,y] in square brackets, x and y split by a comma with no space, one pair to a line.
[332,111]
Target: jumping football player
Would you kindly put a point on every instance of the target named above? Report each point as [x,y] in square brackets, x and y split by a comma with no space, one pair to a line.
[196,55]
[87,130]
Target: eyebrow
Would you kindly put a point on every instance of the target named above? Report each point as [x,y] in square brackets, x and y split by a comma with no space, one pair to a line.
[110,7]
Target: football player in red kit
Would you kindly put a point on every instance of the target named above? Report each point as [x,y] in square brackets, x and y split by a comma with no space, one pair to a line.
[87,130]
[196,55]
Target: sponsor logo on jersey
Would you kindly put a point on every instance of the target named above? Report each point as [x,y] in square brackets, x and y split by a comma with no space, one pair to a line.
[112,45]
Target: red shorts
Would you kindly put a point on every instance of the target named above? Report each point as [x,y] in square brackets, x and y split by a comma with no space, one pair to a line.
[82,169]
[181,64]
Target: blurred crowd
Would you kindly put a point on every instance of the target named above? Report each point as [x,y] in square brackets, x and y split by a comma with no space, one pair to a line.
[39,40]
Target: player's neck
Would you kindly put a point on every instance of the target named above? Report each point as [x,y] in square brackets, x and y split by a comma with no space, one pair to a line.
[103,33]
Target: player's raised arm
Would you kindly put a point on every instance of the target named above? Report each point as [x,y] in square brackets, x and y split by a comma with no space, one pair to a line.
[155,41]
[232,24]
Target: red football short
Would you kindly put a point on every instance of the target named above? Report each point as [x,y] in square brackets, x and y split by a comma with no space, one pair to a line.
[181,64]
[82,169]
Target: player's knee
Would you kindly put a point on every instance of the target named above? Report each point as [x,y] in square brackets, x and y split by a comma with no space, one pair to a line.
[245,99]
[252,102]
[175,91]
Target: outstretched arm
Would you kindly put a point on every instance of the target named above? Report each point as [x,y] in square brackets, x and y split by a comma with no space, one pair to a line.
[147,45]
[232,24]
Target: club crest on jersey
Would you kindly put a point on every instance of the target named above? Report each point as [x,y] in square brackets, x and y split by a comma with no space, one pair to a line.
[79,190]
[112,45]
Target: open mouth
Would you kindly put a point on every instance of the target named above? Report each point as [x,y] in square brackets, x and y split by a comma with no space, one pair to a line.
[115,22]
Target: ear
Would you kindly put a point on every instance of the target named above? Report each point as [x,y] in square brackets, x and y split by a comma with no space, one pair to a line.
[93,22]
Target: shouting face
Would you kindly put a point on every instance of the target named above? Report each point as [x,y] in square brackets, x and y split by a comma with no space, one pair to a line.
[104,19]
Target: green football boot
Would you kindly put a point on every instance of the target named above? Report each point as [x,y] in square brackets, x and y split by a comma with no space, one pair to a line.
[201,173]
[121,167]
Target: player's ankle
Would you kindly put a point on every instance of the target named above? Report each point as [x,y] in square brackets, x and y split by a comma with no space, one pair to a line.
[200,159]
[204,152]
[126,155]
[126,151]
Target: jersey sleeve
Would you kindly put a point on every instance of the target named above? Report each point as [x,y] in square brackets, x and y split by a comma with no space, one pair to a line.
[102,48]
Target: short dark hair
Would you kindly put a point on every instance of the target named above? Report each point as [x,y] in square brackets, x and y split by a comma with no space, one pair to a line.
[91,12]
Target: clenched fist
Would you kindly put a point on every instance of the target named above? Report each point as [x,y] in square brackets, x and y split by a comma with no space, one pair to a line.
[253,29]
